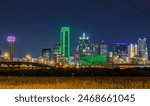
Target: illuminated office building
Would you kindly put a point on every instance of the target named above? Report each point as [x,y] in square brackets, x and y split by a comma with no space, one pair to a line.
[120,50]
[11,39]
[46,54]
[72,60]
[110,57]
[57,52]
[133,50]
[77,58]
[95,48]
[103,48]
[84,45]
[65,42]
[143,50]
[57,49]
[89,60]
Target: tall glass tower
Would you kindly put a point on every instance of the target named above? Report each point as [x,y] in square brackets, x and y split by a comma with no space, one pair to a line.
[65,42]
[143,50]
[84,45]
[132,50]
[103,48]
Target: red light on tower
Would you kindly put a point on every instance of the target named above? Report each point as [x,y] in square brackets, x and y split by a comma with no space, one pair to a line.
[11,39]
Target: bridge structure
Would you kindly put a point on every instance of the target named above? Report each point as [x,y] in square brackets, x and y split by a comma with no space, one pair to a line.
[22,65]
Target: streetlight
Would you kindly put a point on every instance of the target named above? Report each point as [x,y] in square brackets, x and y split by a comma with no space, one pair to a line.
[52,62]
[6,56]
[28,57]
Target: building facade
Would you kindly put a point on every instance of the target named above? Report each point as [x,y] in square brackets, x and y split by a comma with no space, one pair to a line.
[46,53]
[120,50]
[84,45]
[57,53]
[143,50]
[65,42]
[103,48]
[133,50]
[95,49]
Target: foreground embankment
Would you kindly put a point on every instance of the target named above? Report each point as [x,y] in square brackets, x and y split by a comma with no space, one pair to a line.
[77,72]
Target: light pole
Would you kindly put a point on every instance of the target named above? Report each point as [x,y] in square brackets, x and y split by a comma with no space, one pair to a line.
[28,57]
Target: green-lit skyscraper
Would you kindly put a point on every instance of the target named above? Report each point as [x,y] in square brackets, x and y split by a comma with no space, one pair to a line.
[65,42]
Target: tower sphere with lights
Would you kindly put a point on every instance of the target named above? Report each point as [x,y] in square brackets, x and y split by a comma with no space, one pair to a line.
[11,39]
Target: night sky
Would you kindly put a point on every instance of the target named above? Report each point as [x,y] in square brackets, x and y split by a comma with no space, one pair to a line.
[36,23]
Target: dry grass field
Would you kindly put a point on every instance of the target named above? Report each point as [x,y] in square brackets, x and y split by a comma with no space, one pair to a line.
[74,82]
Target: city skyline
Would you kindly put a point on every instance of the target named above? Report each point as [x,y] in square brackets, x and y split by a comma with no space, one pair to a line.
[38,22]
[12,38]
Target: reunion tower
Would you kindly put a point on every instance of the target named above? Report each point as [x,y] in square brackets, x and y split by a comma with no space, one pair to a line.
[11,39]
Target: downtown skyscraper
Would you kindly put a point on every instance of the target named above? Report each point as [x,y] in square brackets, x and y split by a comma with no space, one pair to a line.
[143,50]
[65,42]
[103,48]
[133,50]
[84,45]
